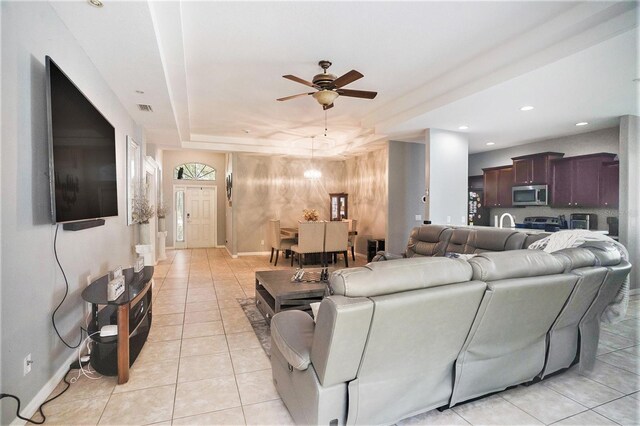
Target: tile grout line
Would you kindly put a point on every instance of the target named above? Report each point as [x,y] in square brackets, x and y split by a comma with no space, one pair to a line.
[232,366]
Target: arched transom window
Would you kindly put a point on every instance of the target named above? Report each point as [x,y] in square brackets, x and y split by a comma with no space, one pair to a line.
[194,171]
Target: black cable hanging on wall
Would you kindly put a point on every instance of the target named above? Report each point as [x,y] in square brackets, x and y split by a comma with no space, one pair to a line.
[66,292]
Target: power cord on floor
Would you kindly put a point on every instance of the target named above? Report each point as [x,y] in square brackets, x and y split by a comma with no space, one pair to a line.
[66,292]
[88,373]
[44,418]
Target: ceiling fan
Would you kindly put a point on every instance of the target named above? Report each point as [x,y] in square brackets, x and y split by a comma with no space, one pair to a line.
[329,87]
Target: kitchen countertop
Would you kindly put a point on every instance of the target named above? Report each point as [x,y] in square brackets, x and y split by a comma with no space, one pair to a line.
[527,230]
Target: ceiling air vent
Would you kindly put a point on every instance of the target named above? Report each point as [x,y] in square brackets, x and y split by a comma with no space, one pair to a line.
[145,108]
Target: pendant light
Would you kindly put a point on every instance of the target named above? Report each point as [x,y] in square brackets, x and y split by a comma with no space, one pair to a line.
[312,173]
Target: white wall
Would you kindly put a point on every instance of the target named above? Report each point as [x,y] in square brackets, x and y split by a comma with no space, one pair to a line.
[31,283]
[630,191]
[605,140]
[406,171]
[447,165]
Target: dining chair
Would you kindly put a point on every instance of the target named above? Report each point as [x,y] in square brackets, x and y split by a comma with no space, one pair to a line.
[353,227]
[336,240]
[277,242]
[310,240]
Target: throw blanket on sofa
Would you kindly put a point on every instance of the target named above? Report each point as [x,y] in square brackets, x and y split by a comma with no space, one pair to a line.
[576,237]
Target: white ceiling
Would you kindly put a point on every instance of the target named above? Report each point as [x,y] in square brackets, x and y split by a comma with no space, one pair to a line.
[210,70]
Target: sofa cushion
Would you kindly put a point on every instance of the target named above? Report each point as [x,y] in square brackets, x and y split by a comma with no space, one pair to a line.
[514,264]
[380,278]
[494,239]
[574,258]
[428,241]
[458,240]
[292,332]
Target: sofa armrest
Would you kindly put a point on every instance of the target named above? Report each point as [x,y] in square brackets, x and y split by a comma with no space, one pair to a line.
[383,255]
[292,332]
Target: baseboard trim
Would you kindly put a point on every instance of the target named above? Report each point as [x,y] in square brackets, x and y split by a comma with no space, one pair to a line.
[254,253]
[233,256]
[31,408]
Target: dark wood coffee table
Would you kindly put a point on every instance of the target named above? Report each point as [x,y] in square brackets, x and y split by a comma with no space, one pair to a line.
[275,292]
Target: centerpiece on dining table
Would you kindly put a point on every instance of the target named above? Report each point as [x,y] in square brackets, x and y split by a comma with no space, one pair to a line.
[311,215]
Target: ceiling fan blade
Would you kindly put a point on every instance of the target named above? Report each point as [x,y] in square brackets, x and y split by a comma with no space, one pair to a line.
[326,107]
[357,93]
[345,79]
[299,80]
[286,98]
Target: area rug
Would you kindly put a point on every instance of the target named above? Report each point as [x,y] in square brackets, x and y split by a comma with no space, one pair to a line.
[259,324]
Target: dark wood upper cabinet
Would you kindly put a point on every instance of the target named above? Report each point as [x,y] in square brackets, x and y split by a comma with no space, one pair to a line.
[610,184]
[533,169]
[476,182]
[576,180]
[497,186]
[562,180]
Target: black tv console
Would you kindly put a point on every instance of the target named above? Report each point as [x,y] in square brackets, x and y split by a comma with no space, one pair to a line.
[131,312]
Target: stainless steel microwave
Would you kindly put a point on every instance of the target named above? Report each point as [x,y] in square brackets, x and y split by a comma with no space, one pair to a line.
[531,195]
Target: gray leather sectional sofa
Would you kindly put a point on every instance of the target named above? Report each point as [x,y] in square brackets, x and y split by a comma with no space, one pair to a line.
[403,337]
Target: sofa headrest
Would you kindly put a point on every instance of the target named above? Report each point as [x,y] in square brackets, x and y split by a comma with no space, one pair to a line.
[428,233]
[428,240]
[493,266]
[532,238]
[492,239]
[458,241]
[606,253]
[379,278]
[574,258]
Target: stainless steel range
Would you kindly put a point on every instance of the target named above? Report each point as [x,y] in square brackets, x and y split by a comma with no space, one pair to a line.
[542,222]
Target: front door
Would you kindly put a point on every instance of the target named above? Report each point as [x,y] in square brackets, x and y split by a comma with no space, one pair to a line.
[200,212]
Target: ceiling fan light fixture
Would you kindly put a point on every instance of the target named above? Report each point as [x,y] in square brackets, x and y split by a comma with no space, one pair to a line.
[325,97]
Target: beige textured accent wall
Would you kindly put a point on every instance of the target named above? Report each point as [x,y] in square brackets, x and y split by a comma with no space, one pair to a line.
[268,187]
[368,195]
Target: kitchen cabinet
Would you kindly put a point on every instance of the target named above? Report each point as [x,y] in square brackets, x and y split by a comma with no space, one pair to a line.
[497,186]
[609,184]
[534,168]
[576,180]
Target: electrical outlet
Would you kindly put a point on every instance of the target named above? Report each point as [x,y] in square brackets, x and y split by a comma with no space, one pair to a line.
[448,219]
[418,217]
[463,219]
[27,364]
[261,242]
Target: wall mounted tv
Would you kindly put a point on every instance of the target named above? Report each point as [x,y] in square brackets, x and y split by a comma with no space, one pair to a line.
[82,153]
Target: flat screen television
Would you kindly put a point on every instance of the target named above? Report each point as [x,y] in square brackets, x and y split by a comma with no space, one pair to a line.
[82,153]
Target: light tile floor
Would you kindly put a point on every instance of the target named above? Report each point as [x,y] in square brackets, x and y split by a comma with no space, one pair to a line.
[202,364]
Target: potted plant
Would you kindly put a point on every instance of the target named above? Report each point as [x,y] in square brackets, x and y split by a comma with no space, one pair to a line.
[162,213]
[141,213]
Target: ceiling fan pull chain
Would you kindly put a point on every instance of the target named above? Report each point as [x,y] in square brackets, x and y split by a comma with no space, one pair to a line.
[325,123]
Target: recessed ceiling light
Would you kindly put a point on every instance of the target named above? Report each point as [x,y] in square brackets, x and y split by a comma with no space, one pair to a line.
[463,127]
[95,3]
[490,143]
[139,92]
[526,108]
[582,123]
